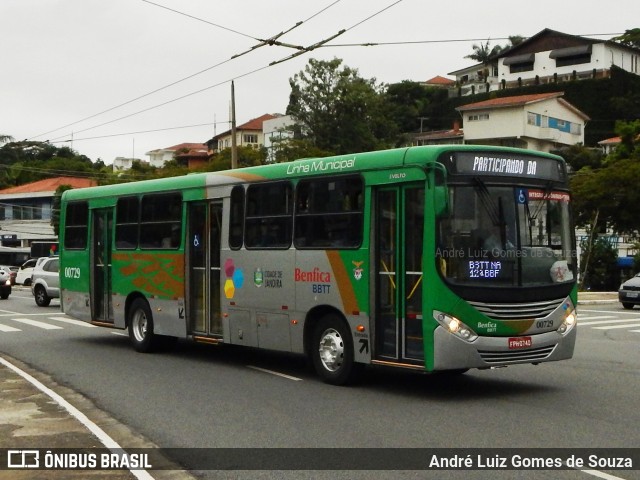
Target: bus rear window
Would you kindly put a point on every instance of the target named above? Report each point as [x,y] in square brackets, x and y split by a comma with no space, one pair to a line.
[75,229]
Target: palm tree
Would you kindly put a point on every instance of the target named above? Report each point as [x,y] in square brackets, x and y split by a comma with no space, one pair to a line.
[481,53]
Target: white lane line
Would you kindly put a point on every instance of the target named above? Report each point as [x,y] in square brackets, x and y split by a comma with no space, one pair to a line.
[595,317]
[598,474]
[36,323]
[72,322]
[602,322]
[104,438]
[7,328]
[278,374]
[633,325]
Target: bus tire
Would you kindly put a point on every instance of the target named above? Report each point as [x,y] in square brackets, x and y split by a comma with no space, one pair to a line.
[332,352]
[141,326]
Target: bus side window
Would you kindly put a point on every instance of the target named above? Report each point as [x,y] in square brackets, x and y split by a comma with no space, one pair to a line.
[268,222]
[236,217]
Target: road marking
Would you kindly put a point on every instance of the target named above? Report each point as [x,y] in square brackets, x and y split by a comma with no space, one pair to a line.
[278,374]
[599,474]
[104,438]
[633,325]
[602,322]
[597,317]
[7,328]
[73,322]
[36,323]
[120,334]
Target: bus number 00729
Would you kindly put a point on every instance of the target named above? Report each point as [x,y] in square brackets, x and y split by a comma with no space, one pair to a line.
[72,272]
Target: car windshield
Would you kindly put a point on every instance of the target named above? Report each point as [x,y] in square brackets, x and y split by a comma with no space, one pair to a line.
[506,236]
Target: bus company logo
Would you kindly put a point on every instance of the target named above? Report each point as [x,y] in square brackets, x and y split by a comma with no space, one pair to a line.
[358,271]
[235,278]
[315,276]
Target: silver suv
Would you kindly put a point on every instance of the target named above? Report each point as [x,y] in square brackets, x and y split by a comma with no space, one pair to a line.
[45,281]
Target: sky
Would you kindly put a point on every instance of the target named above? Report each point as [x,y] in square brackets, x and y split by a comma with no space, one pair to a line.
[118,78]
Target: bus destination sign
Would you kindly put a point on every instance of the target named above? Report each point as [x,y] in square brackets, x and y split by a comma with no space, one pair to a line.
[501,164]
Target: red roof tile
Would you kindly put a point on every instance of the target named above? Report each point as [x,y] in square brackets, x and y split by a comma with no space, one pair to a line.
[514,101]
[438,80]
[50,185]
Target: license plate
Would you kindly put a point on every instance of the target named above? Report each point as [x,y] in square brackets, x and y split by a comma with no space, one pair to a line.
[632,294]
[520,342]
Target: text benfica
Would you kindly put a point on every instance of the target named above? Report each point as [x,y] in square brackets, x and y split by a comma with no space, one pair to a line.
[315,275]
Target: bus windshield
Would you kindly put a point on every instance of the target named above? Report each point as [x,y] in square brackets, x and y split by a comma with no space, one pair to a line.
[506,236]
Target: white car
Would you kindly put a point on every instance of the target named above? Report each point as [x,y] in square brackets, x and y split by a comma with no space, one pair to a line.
[23,276]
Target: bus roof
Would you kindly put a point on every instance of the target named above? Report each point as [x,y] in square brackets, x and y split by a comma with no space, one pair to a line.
[340,164]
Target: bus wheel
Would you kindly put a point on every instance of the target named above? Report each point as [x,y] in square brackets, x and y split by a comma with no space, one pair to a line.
[141,326]
[332,352]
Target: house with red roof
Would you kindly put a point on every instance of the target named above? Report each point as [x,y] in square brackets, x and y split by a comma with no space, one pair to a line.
[249,134]
[542,122]
[188,154]
[25,210]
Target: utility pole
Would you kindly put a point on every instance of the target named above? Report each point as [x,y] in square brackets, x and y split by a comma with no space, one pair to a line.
[234,146]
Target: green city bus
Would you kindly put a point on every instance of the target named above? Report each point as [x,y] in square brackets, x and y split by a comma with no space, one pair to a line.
[433,258]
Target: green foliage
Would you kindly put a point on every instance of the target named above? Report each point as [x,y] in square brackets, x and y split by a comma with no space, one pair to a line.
[290,150]
[601,260]
[578,157]
[55,208]
[630,38]
[339,110]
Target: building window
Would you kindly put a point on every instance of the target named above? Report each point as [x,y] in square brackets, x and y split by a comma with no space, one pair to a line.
[250,138]
[533,119]
[478,117]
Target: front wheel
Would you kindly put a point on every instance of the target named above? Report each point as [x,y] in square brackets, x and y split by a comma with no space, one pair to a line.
[332,352]
[42,299]
[627,306]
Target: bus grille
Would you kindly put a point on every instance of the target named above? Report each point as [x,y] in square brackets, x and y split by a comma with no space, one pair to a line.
[516,356]
[517,311]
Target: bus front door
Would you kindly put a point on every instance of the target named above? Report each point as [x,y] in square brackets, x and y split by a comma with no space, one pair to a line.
[398,236]
[205,227]
[102,233]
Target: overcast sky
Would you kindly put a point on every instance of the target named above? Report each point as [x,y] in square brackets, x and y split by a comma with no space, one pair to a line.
[68,66]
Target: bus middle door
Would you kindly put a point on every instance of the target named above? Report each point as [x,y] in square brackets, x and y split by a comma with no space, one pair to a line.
[398,240]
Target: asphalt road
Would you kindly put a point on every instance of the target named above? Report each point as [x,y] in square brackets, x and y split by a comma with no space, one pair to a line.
[204,397]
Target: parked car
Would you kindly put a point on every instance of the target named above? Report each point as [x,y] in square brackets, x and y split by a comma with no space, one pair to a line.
[13,271]
[45,281]
[23,276]
[629,292]
[5,283]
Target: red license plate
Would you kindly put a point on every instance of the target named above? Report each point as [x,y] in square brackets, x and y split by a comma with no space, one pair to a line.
[520,342]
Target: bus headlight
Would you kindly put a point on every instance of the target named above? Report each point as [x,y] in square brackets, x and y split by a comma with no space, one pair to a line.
[455,326]
[568,323]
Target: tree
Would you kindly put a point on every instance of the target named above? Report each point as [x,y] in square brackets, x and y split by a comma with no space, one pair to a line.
[338,110]
[481,52]
[600,273]
[55,208]
[5,138]
[630,38]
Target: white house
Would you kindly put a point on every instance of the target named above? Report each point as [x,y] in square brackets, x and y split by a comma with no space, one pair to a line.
[548,57]
[275,131]
[540,122]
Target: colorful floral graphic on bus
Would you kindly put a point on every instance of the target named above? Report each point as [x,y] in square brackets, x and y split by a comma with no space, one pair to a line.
[159,275]
[235,278]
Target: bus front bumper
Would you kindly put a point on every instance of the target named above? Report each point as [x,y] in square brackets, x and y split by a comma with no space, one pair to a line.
[453,353]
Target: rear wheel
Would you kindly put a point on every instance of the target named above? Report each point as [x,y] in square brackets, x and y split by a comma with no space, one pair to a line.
[141,326]
[627,306]
[42,299]
[332,352]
